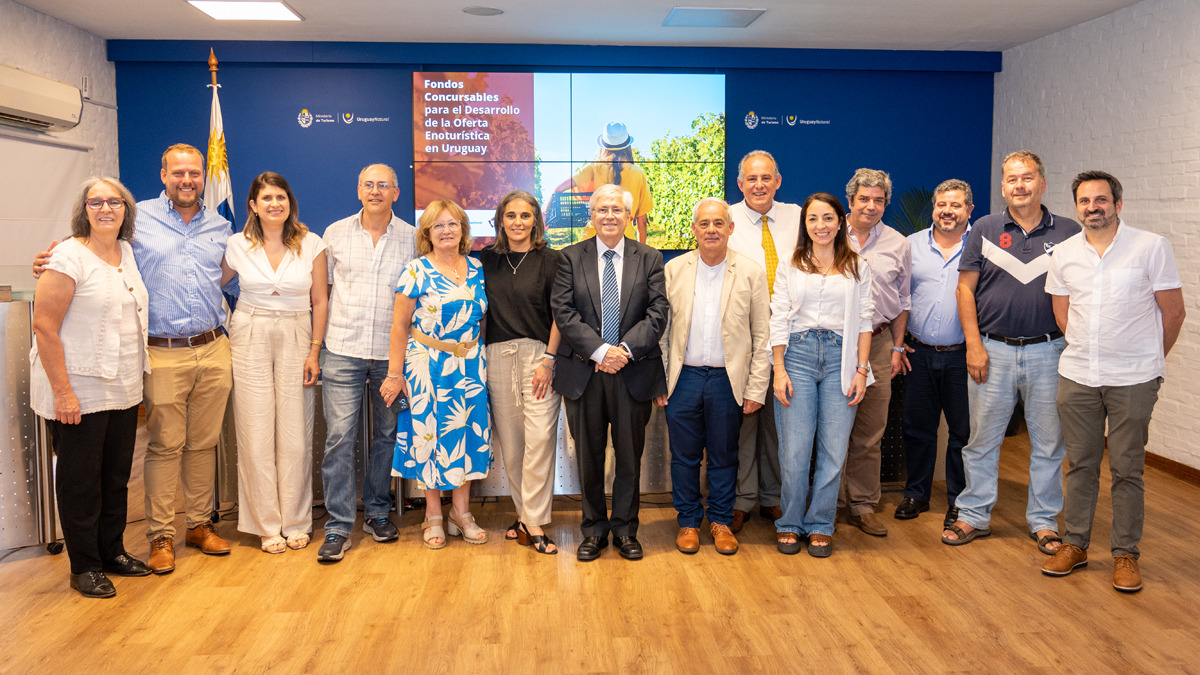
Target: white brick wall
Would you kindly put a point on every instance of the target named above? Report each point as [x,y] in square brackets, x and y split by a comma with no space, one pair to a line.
[46,46]
[1122,93]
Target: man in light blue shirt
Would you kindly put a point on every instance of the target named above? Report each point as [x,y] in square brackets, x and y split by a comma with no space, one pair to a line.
[937,383]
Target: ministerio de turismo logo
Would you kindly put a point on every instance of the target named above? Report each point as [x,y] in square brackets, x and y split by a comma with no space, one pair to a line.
[305,118]
[751,120]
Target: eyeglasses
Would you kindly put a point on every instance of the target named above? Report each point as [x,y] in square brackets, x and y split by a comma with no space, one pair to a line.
[614,210]
[114,203]
[448,226]
[371,185]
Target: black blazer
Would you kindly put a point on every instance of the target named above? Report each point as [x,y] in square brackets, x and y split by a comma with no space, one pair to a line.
[575,302]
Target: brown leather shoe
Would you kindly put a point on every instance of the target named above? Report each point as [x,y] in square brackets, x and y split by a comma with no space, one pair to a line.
[739,520]
[688,540]
[771,513]
[869,523]
[1127,578]
[1064,561]
[726,543]
[205,538]
[162,555]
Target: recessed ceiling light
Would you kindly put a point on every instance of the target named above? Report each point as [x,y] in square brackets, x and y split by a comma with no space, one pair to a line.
[482,11]
[224,10]
[711,17]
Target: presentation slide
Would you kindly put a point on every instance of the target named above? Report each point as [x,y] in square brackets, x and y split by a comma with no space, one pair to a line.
[560,136]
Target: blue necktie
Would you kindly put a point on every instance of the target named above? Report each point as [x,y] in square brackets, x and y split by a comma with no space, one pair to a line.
[610,302]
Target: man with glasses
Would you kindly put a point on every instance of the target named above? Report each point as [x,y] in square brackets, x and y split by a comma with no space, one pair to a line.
[366,253]
[610,303]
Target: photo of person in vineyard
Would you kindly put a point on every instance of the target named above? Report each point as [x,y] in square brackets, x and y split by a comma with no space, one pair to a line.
[614,164]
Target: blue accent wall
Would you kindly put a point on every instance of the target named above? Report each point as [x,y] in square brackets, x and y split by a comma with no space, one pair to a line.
[921,116]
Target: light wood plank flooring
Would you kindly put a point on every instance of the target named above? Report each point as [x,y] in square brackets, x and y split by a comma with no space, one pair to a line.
[904,603]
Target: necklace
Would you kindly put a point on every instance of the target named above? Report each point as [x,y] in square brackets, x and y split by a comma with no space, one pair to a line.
[508,259]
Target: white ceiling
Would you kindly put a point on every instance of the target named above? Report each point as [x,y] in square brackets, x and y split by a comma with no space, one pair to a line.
[987,25]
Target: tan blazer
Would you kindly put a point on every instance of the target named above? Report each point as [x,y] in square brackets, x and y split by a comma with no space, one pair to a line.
[745,322]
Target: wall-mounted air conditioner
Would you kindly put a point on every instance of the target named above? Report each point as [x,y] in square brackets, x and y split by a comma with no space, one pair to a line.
[36,102]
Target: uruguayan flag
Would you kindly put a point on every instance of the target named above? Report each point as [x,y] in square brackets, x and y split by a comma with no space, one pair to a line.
[218,194]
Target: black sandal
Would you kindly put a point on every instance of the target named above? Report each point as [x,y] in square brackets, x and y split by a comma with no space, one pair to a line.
[513,530]
[539,542]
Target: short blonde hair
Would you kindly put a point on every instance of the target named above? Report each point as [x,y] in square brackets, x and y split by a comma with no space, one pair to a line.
[429,218]
[184,148]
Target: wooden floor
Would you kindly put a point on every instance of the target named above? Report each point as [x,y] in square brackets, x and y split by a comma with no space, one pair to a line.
[904,603]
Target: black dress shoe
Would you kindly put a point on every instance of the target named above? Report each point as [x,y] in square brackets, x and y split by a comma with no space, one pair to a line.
[951,517]
[93,585]
[910,508]
[630,548]
[590,547]
[126,565]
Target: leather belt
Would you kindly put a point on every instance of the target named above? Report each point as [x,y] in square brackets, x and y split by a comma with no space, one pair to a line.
[458,349]
[193,341]
[880,328]
[937,348]
[1022,341]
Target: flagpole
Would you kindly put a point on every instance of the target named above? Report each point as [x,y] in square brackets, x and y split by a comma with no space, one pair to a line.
[218,194]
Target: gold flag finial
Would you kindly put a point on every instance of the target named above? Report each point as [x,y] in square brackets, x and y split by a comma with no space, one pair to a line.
[212,65]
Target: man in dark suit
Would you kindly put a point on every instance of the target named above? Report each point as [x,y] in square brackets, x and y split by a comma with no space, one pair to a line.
[610,304]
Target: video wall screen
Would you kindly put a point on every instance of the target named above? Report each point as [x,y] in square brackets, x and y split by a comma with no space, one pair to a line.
[561,135]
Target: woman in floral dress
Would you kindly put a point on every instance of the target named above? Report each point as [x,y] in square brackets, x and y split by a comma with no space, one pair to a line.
[438,367]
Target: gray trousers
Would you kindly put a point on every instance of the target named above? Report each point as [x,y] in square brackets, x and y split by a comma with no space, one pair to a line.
[1082,411]
[758,457]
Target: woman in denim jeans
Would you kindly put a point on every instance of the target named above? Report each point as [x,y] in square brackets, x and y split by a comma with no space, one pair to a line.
[821,296]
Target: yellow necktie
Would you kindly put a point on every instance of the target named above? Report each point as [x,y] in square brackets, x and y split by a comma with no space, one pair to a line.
[768,244]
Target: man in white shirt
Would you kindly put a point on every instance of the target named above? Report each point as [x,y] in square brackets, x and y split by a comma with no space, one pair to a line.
[1118,299]
[765,231]
[365,254]
[717,369]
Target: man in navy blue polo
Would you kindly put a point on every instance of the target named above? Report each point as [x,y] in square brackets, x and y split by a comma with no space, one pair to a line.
[1013,345]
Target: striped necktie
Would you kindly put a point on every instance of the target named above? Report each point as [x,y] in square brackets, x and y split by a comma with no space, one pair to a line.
[768,244]
[610,302]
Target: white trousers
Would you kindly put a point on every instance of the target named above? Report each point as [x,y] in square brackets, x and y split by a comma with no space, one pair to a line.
[524,429]
[273,414]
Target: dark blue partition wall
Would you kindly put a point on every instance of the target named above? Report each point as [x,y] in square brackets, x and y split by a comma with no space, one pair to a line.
[921,116]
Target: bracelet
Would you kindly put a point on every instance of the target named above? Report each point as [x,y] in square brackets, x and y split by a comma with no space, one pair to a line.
[898,349]
[861,371]
[864,366]
[548,355]
[391,377]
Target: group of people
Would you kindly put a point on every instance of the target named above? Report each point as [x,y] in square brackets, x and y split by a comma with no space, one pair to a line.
[815,306]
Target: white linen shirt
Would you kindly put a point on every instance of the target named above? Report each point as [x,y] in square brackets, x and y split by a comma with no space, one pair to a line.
[704,343]
[1114,325]
[788,304]
[103,333]
[285,288]
[364,275]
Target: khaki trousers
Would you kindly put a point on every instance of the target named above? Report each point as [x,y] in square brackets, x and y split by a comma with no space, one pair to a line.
[273,414]
[860,480]
[185,397]
[524,429]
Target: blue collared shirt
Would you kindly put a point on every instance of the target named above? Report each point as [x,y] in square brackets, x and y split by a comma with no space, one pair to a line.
[181,266]
[933,318]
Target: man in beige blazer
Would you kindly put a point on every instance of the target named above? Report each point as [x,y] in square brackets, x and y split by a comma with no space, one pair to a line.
[718,369]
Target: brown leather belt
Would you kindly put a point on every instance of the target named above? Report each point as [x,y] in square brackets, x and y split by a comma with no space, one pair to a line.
[458,349]
[880,328]
[193,341]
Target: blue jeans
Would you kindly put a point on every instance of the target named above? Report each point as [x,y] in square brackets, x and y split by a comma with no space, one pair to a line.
[936,384]
[819,409]
[342,381]
[702,413]
[1031,372]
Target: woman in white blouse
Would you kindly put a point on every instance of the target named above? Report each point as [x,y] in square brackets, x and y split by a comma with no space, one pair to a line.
[86,365]
[275,341]
[821,313]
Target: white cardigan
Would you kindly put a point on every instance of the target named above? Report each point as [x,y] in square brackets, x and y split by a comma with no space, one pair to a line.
[788,297]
